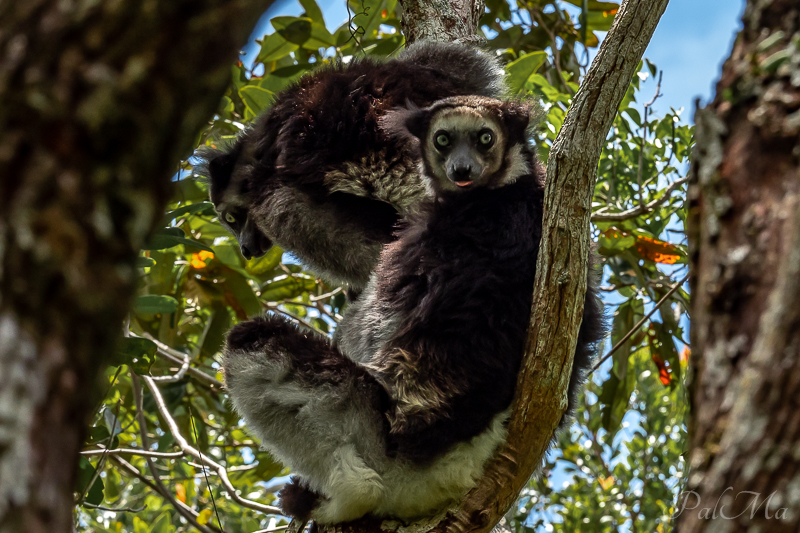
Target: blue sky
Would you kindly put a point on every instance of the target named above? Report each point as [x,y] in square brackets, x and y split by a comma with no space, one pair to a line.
[689,45]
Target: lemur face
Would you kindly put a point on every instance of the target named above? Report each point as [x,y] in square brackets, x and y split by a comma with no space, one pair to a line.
[229,186]
[464,148]
[466,142]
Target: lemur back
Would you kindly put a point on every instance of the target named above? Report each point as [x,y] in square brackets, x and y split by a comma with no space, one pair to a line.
[317,175]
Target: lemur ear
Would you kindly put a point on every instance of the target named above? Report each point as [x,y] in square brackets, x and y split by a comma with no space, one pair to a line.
[517,118]
[219,169]
[406,122]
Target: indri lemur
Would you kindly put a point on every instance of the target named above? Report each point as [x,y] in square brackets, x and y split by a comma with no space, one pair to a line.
[316,174]
[399,416]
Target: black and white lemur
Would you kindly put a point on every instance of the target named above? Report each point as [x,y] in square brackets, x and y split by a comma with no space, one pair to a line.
[398,417]
[317,176]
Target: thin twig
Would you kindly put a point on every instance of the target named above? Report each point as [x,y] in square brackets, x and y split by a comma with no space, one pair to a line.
[134,451]
[644,138]
[101,462]
[184,445]
[272,529]
[178,375]
[115,509]
[205,473]
[639,210]
[184,510]
[334,292]
[178,357]
[635,328]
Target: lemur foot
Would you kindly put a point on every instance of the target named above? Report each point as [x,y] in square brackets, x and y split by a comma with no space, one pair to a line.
[298,500]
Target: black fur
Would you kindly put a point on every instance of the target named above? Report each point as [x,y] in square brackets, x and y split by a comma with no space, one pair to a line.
[298,500]
[433,345]
[328,122]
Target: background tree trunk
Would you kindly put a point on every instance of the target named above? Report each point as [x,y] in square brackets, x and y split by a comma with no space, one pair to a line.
[98,103]
[745,244]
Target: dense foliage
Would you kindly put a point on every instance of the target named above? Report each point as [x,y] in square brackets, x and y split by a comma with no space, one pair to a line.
[618,467]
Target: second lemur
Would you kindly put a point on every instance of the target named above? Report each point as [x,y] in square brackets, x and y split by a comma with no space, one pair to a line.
[399,417]
[317,176]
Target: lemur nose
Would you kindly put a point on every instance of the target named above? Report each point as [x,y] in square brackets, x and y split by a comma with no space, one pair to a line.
[461,172]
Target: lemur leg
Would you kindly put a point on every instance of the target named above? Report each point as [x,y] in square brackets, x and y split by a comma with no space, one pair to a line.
[314,409]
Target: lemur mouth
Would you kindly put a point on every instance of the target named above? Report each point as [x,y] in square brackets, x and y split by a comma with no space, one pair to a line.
[463,183]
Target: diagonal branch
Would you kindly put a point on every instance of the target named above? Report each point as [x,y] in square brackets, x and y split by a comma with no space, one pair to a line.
[640,209]
[184,445]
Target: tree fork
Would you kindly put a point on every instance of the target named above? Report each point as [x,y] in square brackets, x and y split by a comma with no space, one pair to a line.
[98,102]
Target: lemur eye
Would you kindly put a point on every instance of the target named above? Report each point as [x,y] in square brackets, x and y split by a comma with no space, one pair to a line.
[230,219]
[486,138]
[442,139]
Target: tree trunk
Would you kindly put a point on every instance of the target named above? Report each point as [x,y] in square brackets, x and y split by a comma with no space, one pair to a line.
[442,20]
[98,103]
[745,244]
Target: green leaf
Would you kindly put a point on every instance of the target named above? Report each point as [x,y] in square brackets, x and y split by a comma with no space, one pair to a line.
[520,70]
[155,304]
[275,47]
[242,292]
[199,207]
[139,354]
[85,474]
[266,262]
[143,262]
[163,524]
[287,287]
[256,98]
[635,116]
[170,237]
[214,333]
[303,31]
[312,11]
[97,434]
[537,80]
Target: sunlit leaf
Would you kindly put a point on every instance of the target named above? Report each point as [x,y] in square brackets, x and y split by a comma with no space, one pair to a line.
[520,70]
[155,304]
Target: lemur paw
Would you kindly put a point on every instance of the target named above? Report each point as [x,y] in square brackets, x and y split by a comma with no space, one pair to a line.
[255,334]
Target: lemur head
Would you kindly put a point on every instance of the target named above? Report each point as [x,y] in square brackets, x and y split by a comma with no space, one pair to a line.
[229,173]
[467,141]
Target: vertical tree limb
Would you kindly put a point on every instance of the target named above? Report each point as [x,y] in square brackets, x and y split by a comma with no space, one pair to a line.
[98,102]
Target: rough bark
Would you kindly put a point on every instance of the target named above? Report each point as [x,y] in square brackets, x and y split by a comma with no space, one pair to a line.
[560,285]
[745,245]
[442,20]
[98,103]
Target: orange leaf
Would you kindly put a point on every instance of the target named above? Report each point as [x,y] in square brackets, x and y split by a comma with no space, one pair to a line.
[606,483]
[181,492]
[685,353]
[664,372]
[384,14]
[650,249]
